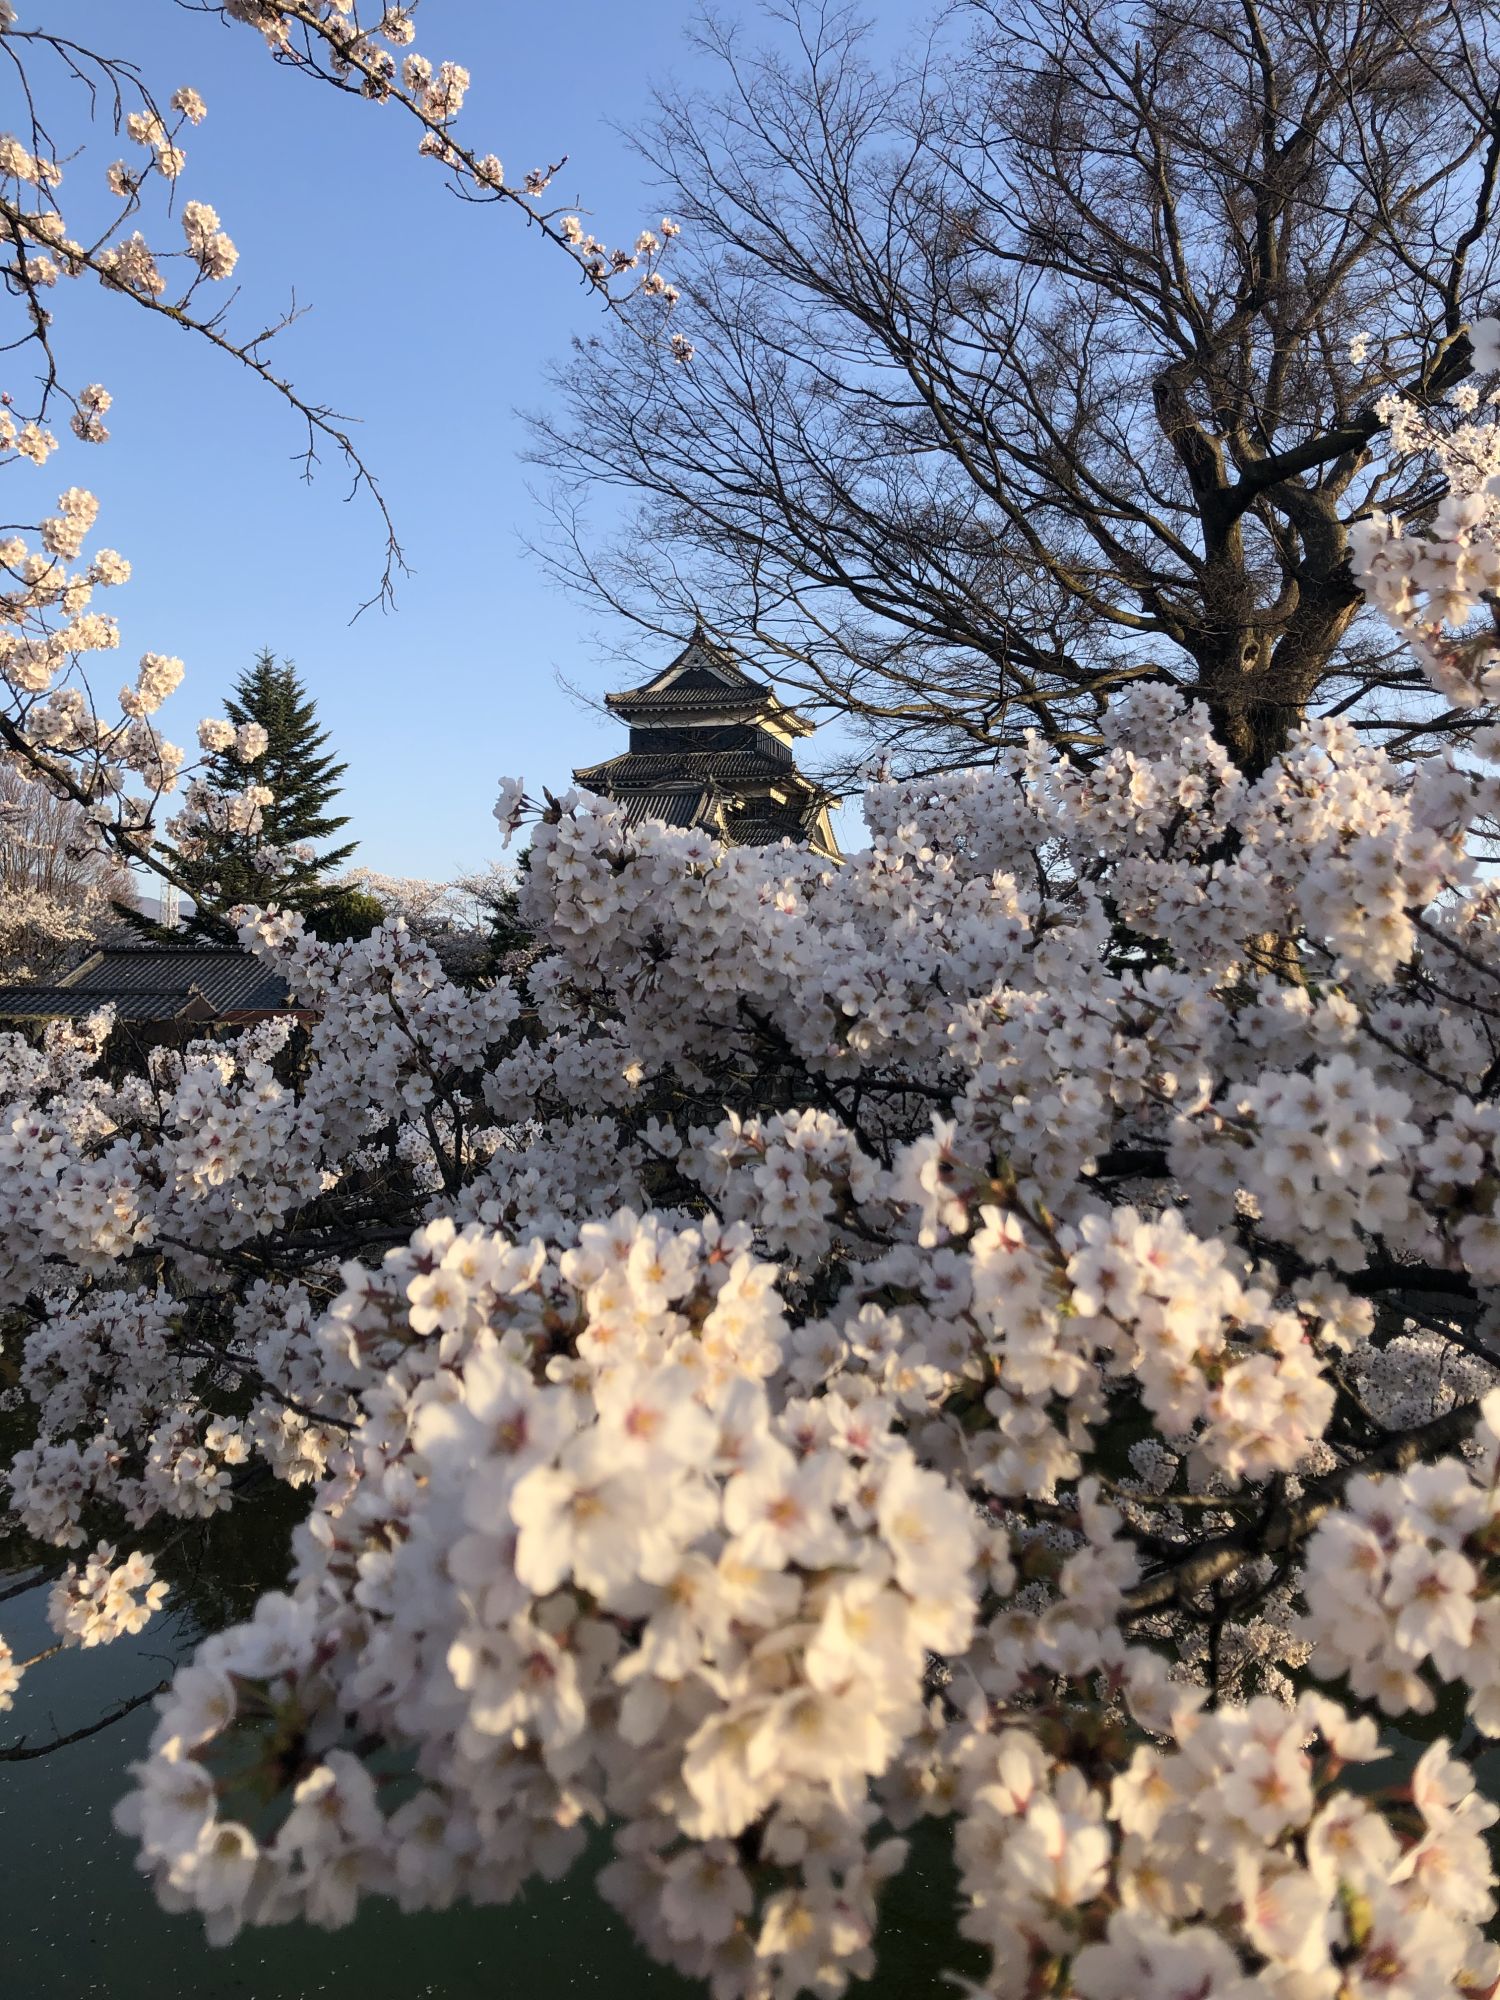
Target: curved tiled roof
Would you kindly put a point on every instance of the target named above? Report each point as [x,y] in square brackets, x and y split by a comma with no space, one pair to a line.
[746,702]
[672,808]
[706,676]
[154,983]
[699,664]
[763,830]
[658,769]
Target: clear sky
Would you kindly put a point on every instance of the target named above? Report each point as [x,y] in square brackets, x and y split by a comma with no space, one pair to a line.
[431,322]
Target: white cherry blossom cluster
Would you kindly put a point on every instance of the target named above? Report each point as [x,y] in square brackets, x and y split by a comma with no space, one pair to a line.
[1225,1861]
[104,1599]
[1431,580]
[588,1569]
[816,1347]
[11,1671]
[1405,1576]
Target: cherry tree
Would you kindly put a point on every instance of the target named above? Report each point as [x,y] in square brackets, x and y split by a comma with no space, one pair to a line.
[999,1332]
[469,921]
[105,771]
[57,890]
[138,226]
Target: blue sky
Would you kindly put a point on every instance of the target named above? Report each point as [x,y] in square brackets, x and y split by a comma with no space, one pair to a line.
[430,322]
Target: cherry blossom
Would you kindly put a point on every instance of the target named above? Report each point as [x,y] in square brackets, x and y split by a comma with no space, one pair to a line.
[1001,1330]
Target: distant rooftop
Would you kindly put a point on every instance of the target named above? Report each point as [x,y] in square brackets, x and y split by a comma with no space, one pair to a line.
[148,982]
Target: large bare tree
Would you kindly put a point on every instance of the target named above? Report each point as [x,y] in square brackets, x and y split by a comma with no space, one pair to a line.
[1053,359]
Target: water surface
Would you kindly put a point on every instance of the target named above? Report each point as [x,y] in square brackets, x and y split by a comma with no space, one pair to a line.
[80,1921]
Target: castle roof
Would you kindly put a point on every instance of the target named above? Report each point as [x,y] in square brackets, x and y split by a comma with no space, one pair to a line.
[710,747]
[669,770]
[706,678]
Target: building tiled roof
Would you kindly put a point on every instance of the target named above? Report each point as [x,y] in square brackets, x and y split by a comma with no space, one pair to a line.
[701,663]
[677,696]
[747,791]
[154,983]
[705,675]
[763,829]
[672,808]
[46,1003]
[226,977]
[640,769]
[40,1003]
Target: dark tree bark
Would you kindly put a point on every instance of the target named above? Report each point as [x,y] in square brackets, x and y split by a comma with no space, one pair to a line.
[1025,371]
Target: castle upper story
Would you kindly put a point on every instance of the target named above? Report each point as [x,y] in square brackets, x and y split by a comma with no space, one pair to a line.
[711,747]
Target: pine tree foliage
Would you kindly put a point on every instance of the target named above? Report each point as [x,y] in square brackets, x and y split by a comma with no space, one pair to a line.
[287,861]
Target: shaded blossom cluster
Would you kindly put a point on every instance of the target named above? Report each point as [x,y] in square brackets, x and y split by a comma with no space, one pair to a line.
[813,1349]
[724,1447]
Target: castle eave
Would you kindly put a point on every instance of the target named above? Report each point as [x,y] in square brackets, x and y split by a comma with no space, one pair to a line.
[640,770]
[705,677]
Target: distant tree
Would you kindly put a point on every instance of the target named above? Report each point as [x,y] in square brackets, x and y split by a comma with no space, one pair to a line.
[494,893]
[284,860]
[351,913]
[472,922]
[56,885]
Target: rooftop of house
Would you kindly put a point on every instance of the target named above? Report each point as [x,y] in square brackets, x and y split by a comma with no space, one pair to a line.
[150,982]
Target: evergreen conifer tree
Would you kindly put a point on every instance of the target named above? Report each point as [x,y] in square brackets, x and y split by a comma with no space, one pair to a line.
[304,780]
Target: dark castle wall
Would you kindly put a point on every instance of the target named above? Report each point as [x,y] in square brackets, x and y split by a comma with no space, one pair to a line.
[661,742]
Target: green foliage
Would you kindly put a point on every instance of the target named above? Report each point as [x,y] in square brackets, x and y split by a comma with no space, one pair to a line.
[353,913]
[305,781]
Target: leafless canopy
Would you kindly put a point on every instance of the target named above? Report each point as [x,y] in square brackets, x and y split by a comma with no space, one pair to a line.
[1024,370]
[56,884]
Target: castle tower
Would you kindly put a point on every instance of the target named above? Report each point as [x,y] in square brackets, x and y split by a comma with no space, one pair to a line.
[711,747]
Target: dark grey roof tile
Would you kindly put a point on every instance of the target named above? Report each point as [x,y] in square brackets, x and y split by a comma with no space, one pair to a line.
[655,770]
[230,981]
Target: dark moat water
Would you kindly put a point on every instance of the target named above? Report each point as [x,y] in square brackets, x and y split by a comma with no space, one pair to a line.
[79,1922]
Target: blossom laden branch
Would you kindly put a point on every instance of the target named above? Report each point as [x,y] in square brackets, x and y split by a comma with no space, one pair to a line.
[1283,1529]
